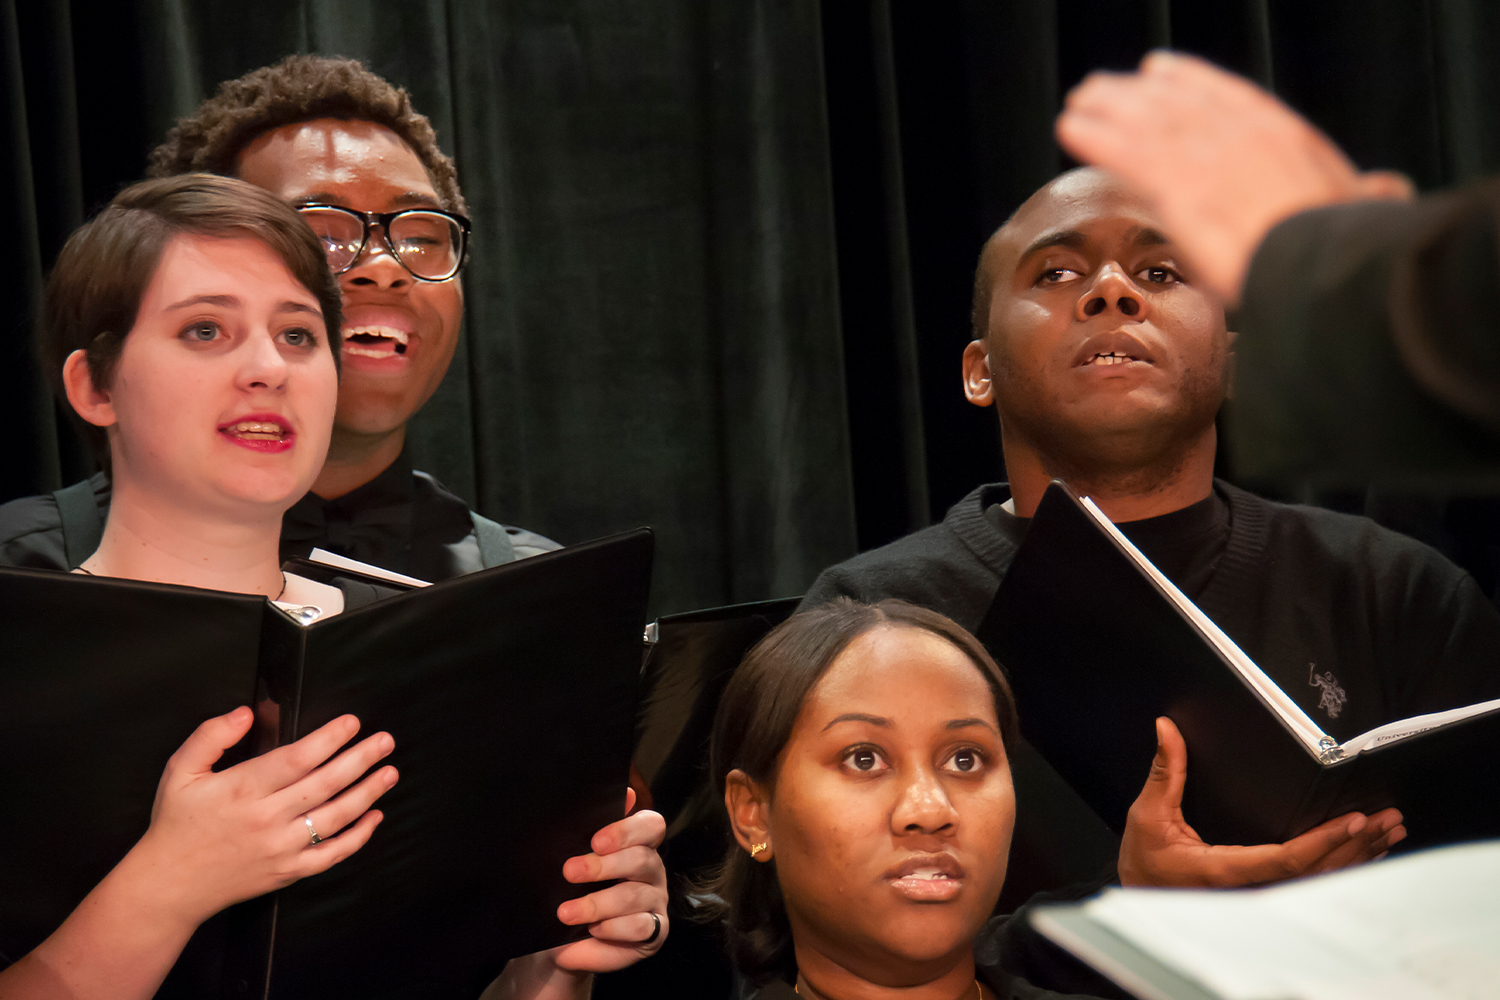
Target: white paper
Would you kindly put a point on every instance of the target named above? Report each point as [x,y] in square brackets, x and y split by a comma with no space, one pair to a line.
[1422,927]
[335,561]
[1391,732]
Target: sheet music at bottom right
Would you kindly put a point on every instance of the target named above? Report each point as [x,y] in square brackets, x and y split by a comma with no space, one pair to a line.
[1098,643]
[1421,927]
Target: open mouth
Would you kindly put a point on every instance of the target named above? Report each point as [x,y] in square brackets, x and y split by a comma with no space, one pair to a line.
[934,878]
[1111,358]
[260,433]
[374,341]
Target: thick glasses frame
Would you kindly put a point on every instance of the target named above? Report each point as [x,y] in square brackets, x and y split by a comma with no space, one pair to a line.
[384,220]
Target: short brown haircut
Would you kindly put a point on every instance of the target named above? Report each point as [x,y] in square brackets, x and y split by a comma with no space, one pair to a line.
[754,722]
[300,88]
[95,289]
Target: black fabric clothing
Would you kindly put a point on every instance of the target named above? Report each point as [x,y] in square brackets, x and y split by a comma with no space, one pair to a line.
[1369,348]
[358,593]
[402,520]
[1307,593]
[997,983]
[1185,544]
[31,531]
[1358,624]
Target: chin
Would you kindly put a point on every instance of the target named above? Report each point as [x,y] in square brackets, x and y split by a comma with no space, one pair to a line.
[928,933]
[374,418]
[279,490]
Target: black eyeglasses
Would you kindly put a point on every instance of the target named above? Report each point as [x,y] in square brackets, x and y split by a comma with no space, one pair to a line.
[429,243]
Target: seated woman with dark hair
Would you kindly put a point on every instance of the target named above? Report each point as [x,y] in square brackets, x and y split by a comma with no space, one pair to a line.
[861,752]
[193,326]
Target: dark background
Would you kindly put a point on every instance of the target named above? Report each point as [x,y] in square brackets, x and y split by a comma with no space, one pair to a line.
[721,272]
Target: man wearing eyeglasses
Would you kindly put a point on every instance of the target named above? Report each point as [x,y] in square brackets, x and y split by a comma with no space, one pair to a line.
[348,150]
[367,174]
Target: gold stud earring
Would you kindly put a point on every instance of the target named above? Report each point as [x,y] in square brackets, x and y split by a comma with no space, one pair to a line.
[757,848]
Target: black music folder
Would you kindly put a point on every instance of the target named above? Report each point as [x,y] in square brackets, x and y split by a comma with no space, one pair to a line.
[1098,643]
[689,660]
[511,694]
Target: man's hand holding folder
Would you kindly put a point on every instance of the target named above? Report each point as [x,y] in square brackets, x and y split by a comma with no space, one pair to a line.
[1159,848]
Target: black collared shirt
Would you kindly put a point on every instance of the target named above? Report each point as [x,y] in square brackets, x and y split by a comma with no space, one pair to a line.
[401,520]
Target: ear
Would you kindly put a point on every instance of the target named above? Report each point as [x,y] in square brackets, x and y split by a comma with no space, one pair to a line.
[748,806]
[90,403]
[977,386]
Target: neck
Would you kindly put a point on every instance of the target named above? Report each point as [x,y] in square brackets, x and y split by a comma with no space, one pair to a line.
[355,458]
[150,537]
[821,978]
[1161,485]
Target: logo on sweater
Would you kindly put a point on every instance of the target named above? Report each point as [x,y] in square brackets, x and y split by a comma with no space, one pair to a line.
[1334,697]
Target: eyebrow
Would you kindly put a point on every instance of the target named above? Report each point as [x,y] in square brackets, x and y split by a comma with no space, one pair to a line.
[1141,236]
[407,199]
[233,302]
[227,301]
[966,723]
[874,720]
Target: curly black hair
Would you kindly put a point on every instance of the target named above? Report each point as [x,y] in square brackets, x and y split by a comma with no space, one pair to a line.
[300,88]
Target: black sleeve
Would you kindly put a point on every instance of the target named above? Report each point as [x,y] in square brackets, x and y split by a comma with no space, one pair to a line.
[1369,346]
[833,582]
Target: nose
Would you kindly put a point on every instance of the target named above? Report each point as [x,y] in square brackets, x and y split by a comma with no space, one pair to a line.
[377,266]
[1112,289]
[924,806]
[262,366]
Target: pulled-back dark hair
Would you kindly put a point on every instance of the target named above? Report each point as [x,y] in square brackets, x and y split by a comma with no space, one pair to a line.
[300,88]
[754,723]
[96,287]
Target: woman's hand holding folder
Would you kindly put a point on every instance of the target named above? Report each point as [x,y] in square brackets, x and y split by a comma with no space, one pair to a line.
[627,921]
[215,839]
[1159,848]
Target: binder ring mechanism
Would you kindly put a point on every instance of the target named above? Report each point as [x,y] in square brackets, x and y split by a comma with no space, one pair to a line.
[1329,751]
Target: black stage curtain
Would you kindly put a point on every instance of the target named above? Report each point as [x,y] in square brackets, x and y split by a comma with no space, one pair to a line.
[723,250]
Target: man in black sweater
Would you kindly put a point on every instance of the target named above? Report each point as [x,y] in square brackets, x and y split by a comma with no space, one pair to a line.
[319,130]
[1107,367]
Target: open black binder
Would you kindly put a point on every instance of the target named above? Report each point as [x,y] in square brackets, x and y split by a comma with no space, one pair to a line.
[689,660]
[1097,644]
[511,695]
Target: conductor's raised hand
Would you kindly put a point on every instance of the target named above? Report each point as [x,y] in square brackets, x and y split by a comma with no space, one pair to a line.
[218,838]
[1222,160]
[1159,848]
[627,921]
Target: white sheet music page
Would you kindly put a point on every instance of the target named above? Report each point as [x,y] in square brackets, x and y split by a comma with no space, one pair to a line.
[1421,927]
[336,561]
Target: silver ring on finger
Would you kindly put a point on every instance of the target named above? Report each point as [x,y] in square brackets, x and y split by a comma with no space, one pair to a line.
[312,835]
[655,930]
